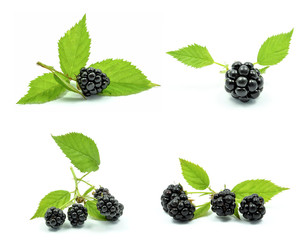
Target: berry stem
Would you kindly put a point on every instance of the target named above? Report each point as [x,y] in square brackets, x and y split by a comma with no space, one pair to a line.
[76,194]
[51,69]
[255,63]
[212,191]
[80,180]
[222,65]
[199,192]
[67,204]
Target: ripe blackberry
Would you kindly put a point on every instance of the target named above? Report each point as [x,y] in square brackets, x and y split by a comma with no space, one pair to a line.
[109,207]
[223,203]
[252,207]
[119,214]
[243,81]
[54,217]
[92,81]
[77,214]
[181,209]
[99,192]
[169,194]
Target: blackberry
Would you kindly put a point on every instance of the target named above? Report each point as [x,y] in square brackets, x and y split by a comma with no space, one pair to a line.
[169,194]
[77,214]
[181,209]
[119,214]
[54,217]
[109,207]
[92,81]
[252,207]
[243,81]
[99,192]
[223,203]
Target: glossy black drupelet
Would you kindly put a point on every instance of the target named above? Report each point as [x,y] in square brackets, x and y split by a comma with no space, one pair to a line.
[54,217]
[92,81]
[181,209]
[77,214]
[99,192]
[243,81]
[169,194]
[223,203]
[109,207]
[252,207]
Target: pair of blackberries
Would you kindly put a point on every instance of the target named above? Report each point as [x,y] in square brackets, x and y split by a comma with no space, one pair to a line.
[92,81]
[176,203]
[55,217]
[107,205]
[243,81]
[252,207]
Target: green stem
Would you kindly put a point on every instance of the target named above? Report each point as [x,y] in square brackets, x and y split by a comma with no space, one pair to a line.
[67,204]
[86,183]
[84,176]
[255,63]
[212,191]
[51,69]
[76,194]
[199,192]
[224,66]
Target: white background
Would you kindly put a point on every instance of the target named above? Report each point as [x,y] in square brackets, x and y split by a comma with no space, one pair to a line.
[141,137]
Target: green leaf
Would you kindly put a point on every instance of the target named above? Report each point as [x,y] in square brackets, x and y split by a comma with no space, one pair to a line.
[193,55]
[93,211]
[194,175]
[53,199]
[263,188]
[263,70]
[274,49]
[125,78]
[80,149]
[236,210]
[64,81]
[74,48]
[43,89]
[202,210]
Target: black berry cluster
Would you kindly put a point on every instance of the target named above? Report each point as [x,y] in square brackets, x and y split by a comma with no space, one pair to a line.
[92,81]
[77,214]
[109,207]
[169,194]
[223,203]
[252,207]
[175,202]
[243,81]
[100,192]
[54,217]
[181,209]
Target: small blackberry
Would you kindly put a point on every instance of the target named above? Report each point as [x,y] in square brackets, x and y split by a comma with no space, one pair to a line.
[252,207]
[243,81]
[223,203]
[181,209]
[109,207]
[77,214]
[169,194]
[92,81]
[99,192]
[54,217]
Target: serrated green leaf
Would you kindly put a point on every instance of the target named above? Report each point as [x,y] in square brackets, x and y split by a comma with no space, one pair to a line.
[64,81]
[80,149]
[93,211]
[263,188]
[202,210]
[236,210]
[263,70]
[194,175]
[274,49]
[74,49]
[53,199]
[125,78]
[193,55]
[42,89]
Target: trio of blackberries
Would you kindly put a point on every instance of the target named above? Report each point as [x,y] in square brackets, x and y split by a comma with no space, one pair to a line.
[175,202]
[92,81]
[243,81]
[107,205]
